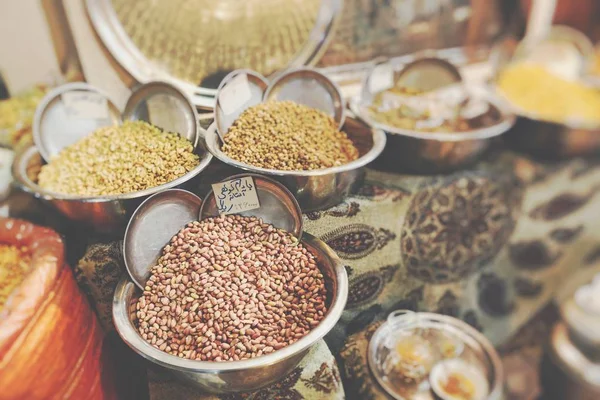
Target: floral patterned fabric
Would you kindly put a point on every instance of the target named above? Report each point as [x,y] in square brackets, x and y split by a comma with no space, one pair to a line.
[316,377]
[489,245]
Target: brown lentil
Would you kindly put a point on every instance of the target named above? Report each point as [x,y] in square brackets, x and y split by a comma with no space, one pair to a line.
[252,289]
[14,266]
[287,136]
[119,159]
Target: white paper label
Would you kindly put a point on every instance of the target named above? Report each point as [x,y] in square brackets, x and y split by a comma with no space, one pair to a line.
[382,78]
[235,196]
[85,105]
[235,94]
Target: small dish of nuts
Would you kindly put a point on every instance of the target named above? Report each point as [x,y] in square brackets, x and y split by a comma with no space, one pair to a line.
[231,302]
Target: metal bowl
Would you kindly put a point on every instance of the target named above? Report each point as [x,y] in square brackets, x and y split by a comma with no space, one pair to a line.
[108,214]
[245,375]
[322,188]
[436,152]
[551,141]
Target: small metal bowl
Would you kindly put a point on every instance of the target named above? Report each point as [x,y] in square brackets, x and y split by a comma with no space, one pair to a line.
[422,152]
[436,152]
[108,214]
[322,188]
[245,375]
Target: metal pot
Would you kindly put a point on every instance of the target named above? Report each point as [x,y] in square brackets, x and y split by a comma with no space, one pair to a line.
[323,188]
[245,375]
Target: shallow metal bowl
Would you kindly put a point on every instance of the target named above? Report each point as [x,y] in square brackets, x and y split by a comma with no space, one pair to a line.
[107,214]
[245,375]
[551,141]
[436,152]
[322,188]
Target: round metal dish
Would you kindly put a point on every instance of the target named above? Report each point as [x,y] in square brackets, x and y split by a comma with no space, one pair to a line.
[245,375]
[401,321]
[152,225]
[180,30]
[163,105]
[309,87]
[53,129]
[323,188]
[106,214]
[427,73]
[278,206]
[256,86]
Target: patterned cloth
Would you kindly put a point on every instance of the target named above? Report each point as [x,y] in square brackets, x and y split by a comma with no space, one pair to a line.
[316,377]
[490,246]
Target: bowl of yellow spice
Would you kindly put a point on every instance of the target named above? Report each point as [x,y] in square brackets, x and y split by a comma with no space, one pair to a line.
[96,169]
[294,130]
[558,108]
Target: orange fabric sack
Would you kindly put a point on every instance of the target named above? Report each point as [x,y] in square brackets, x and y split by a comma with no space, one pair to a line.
[50,340]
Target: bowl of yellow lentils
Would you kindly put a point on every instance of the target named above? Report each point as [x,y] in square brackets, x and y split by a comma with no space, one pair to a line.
[100,177]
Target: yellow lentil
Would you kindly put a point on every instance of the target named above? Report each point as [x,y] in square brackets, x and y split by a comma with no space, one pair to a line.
[116,160]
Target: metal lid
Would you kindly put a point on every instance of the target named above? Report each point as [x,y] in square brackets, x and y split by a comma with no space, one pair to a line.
[151,227]
[165,106]
[428,73]
[238,91]
[277,205]
[309,87]
[195,43]
[69,113]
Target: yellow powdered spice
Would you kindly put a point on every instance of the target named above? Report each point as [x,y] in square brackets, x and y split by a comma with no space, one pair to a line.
[535,90]
[14,266]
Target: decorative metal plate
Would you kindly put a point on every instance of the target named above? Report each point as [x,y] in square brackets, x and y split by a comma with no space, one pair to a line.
[195,43]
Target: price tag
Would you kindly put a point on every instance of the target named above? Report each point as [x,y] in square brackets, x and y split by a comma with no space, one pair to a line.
[382,78]
[235,196]
[235,94]
[85,105]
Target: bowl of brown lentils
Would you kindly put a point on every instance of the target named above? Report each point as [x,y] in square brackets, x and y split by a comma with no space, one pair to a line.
[102,177]
[303,147]
[233,302]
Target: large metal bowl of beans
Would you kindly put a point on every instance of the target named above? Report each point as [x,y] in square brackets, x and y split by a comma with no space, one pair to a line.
[232,302]
[97,171]
[318,180]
